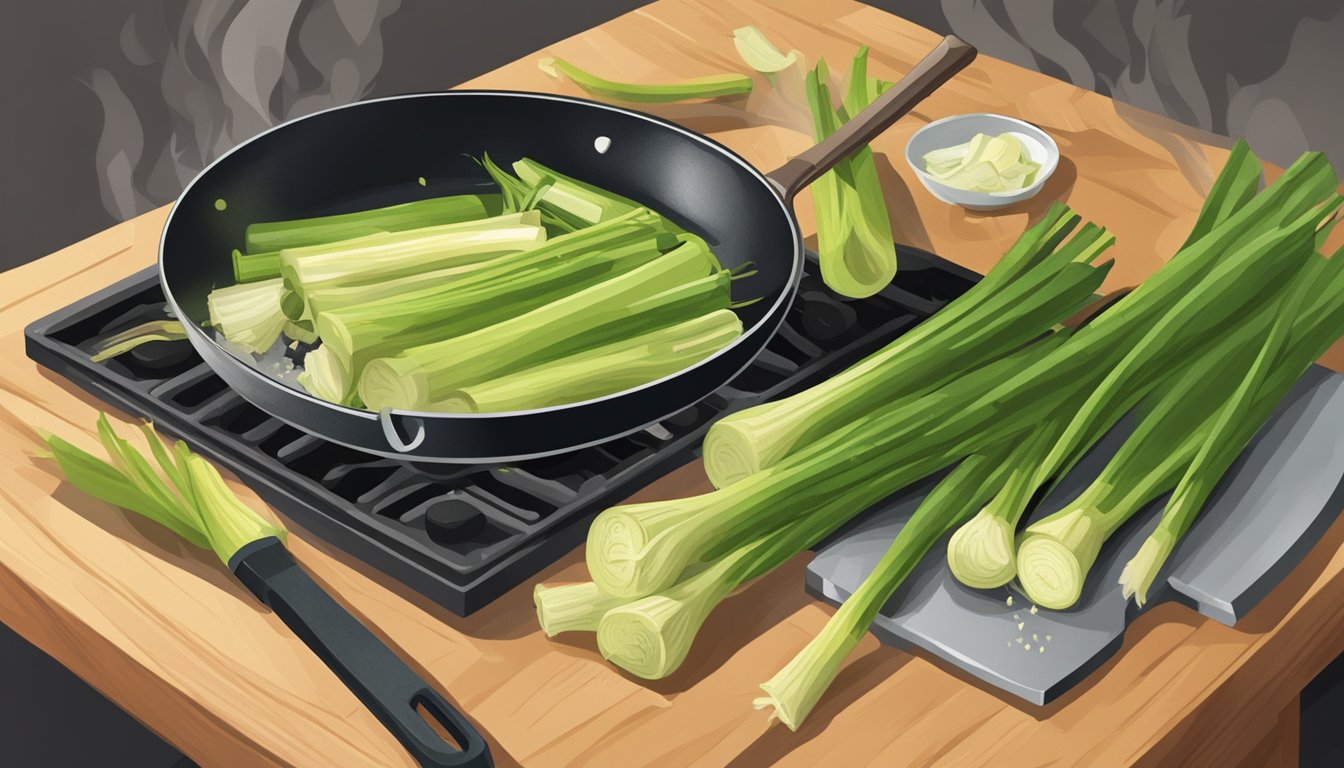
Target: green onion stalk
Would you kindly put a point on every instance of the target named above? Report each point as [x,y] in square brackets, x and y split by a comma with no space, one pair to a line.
[600,371]
[275,235]
[186,494]
[355,330]
[1055,553]
[854,241]
[248,314]
[676,286]
[709,87]
[1007,307]
[382,257]
[795,689]
[640,549]
[1276,368]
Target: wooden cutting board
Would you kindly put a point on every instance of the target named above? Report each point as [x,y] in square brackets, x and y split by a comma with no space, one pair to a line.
[169,636]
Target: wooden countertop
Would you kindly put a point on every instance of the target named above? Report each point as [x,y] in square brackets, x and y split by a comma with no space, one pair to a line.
[172,638]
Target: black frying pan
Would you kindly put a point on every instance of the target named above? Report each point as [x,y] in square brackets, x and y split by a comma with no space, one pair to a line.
[371,153]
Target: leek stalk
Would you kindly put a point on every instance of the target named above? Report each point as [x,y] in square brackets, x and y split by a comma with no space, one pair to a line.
[710,87]
[1274,371]
[250,267]
[572,607]
[613,367]
[468,245]
[639,549]
[854,240]
[275,235]
[575,202]
[429,373]
[1024,294]
[796,688]
[1056,552]
[248,314]
[356,327]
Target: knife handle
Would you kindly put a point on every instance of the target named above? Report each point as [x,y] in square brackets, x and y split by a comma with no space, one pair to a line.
[364,663]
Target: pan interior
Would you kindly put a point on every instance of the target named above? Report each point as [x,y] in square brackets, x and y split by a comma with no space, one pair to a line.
[374,153]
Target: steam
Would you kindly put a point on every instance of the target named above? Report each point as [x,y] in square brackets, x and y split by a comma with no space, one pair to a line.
[204,75]
[1241,68]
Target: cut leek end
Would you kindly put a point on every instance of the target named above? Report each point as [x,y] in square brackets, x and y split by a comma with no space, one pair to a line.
[860,268]
[732,453]
[649,637]
[980,553]
[323,376]
[390,382]
[621,560]
[1141,571]
[1054,558]
[795,690]
[569,607]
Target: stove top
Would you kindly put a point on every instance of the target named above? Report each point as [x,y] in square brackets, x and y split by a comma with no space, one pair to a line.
[459,534]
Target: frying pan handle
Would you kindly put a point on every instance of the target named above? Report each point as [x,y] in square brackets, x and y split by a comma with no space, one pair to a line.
[381,680]
[946,59]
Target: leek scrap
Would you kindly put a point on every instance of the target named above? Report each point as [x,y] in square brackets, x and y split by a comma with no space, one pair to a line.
[186,494]
[144,333]
[710,87]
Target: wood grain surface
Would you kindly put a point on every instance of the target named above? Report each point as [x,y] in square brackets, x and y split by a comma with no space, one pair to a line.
[171,637]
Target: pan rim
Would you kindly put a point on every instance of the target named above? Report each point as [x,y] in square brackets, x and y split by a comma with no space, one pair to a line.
[772,317]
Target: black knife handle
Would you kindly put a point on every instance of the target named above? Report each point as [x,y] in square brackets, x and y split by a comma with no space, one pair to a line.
[368,668]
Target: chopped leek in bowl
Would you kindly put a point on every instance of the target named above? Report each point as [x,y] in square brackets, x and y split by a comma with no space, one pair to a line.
[982,161]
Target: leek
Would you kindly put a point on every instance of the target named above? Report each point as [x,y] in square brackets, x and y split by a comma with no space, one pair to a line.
[186,494]
[606,311]
[602,370]
[356,326]
[275,235]
[710,87]
[1243,415]
[248,314]
[639,549]
[651,636]
[572,607]
[144,333]
[377,258]
[795,689]
[854,241]
[1007,307]
[1056,552]
[250,267]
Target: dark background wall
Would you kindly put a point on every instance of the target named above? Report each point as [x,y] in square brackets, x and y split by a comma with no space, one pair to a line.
[110,106]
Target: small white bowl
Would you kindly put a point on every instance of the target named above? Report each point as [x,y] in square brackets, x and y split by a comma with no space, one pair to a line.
[959,129]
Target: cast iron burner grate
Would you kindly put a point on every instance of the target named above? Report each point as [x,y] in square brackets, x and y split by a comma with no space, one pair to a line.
[459,534]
